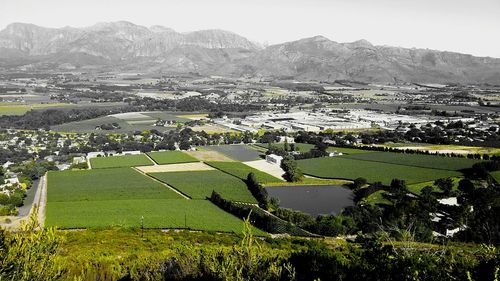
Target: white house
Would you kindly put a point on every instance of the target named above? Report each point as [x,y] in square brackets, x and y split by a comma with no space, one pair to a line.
[135,152]
[274,159]
[95,154]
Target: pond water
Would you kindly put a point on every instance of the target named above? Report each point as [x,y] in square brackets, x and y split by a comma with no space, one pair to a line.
[313,199]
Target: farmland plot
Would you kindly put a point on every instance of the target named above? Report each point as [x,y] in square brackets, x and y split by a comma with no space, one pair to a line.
[416,160]
[241,171]
[104,184]
[171,157]
[156,213]
[200,184]
[346,168]
[120,161]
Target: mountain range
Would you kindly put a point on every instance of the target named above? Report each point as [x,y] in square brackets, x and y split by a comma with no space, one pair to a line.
[125,46]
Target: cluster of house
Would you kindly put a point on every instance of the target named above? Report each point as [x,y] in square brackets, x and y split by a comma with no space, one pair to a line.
[11,180]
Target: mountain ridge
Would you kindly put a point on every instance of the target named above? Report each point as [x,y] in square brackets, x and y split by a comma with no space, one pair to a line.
[125,45]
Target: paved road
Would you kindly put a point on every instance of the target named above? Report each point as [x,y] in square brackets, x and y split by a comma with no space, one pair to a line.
[38,197]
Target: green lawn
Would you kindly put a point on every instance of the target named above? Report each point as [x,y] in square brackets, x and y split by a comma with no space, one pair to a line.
[200,184]
[496,176]
[120,161]
[157,213]
[21,108]
[104,184]
[305,147]
[171,157]
[241,171]
[377,197]
[345,168]
[104,198]
[416,160]
[417,187]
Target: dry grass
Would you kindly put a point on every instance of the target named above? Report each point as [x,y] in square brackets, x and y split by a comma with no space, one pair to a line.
[208,156]
[182,167]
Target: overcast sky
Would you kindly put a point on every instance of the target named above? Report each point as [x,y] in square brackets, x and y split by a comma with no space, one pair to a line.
[467,26]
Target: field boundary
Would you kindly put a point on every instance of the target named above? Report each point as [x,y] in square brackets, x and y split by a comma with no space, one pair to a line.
[185,196]
[151,159]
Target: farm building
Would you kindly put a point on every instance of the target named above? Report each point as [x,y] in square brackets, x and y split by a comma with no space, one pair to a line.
[274,159]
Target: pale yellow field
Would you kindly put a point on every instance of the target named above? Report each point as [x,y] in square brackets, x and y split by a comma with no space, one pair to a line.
[193,116]
[182,167]
[208,156]
[211,129]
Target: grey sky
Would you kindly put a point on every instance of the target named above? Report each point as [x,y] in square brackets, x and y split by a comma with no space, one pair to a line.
[467,26]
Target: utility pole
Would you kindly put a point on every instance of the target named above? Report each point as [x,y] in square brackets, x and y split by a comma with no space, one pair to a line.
[142,226]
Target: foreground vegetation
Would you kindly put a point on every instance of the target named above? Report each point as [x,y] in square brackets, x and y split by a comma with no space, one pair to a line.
[132,254]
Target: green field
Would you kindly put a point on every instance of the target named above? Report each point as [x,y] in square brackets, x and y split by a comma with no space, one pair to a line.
[21,108]
[417,187]
[200,184]
[305,147]
[241,171]
[416,160]
[120,161]
[377,198]
[345,168]
[496,176]
[121,196]
[126,125]
[171,157]
[104,184]
[157,213]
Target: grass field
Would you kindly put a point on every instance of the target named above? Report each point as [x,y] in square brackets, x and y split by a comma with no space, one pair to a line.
[104,184]
[20,109]
[377,198]
[171,157]
[496,176]
[446,148]
[157,213]
[200,184]
[126,125]
[120,161]
[105,198]
[241,171]
[416,160]
[346,168]
[417,187]
[305,147]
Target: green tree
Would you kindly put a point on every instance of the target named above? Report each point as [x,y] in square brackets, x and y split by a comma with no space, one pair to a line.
[292,171]
[446,185]
[30,253]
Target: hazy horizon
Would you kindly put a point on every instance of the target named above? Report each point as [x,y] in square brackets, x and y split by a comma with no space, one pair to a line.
[456,26]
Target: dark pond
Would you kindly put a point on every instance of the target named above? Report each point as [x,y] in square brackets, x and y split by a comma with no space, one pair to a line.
[313,199]
[238,152]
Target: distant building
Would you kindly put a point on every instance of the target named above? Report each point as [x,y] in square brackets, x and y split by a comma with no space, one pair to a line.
[135,152]
[95,154]
[335,153]
[287,139]
[274,159]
